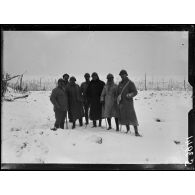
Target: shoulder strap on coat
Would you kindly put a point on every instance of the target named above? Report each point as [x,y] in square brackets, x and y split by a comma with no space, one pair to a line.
[124,87]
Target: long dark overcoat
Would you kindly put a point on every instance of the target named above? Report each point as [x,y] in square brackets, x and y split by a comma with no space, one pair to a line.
[94,91]
[74,101]
[83,88]
[109,96]
[127,115]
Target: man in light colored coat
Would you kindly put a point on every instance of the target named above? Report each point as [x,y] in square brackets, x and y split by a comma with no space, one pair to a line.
[109,102]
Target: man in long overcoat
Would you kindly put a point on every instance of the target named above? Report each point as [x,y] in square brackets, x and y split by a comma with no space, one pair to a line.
[109,101]
[127,115]
[75,102]
[59,100]
[84,86]
[94,91]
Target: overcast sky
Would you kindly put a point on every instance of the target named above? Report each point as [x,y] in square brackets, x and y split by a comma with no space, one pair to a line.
[44,53]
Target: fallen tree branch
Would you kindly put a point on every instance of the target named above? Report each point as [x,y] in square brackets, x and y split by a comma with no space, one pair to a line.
[14,98]
[24,96]
[5,80]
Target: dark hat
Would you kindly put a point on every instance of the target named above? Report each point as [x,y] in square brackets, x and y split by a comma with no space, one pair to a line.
[122,72]
[72,79]
[87,75]
[65,75]
[94,74]
[60,80]
[110,76]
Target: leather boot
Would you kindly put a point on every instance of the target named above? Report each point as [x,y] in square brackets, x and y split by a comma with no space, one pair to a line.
[109,123]
[117,125]
[136,131]
[94,124]
[128,128]
[73,125]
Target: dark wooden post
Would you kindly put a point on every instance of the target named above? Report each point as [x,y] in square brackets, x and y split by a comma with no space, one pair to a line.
[21,82]
[184,84]
[40,83]
[145,83]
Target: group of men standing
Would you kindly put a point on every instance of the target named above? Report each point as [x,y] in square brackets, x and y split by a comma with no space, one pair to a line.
[95,100]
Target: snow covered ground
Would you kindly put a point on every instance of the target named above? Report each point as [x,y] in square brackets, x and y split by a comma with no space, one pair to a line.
[162,115]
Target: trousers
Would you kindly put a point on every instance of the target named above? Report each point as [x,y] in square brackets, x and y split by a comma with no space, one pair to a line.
[60,118]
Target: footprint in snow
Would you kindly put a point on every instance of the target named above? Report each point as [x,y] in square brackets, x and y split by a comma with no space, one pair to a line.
[24,145]
[15,129]
[39,160]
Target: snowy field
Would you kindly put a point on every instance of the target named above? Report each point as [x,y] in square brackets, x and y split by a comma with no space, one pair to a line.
[162,115]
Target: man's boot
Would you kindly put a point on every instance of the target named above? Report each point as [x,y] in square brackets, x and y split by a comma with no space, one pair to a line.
[94,124]
[73,125]
[81,122]
[136,131]
[128,128]
[109,123]
[86,119]
[100,122]
[117,125]
[54,129]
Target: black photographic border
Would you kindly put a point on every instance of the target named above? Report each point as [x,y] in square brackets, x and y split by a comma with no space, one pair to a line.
[190,28]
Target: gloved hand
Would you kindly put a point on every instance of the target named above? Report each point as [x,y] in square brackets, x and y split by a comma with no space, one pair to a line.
[129,95]
[118,99]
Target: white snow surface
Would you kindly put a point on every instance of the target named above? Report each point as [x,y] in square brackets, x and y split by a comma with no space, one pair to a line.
[27,138]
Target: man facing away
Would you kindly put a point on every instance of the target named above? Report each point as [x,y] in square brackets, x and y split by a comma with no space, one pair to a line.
[94,91]
[127,90]
[84,86]
[108,99]
[59,100]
